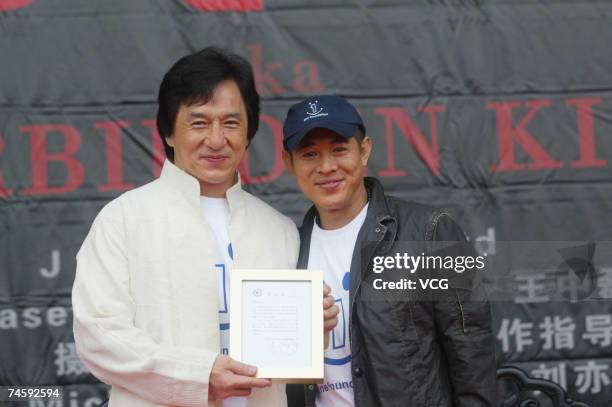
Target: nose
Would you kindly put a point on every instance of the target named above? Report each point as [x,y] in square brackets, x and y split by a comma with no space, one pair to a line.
[215,140]
[327,164]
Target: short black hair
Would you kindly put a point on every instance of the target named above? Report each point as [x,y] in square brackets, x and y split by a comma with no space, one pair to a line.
[193,79]
[359,135]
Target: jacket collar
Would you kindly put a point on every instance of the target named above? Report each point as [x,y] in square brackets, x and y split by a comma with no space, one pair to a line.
[378,210]
[189,186]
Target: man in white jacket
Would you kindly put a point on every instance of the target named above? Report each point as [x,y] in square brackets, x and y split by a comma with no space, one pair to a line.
[150,306]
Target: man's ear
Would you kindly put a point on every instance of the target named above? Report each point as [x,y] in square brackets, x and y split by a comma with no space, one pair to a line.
[366,149]
[288,162]
[170,140]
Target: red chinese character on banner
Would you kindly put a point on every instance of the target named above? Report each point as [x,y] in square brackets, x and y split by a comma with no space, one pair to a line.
[9,5]
[227,5]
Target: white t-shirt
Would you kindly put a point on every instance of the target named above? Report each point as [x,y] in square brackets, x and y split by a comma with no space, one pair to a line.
[216,214]
[332,251]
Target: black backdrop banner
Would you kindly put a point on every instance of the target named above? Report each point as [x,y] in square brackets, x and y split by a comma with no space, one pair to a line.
[499,110]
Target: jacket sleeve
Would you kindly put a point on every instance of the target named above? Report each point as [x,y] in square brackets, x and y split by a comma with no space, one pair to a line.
[292,237]
[466,332]
[107,341]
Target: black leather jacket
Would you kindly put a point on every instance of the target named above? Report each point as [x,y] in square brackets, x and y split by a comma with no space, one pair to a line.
[434,353]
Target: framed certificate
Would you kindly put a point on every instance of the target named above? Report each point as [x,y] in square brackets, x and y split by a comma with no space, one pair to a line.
[276,320]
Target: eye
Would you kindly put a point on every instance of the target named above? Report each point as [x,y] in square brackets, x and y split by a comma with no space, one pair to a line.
[199,124]
[232,124]
[340,149]
[309,154]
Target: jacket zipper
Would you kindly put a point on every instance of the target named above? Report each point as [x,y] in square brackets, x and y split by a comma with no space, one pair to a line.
[462,314]
[357,291]
[435,222]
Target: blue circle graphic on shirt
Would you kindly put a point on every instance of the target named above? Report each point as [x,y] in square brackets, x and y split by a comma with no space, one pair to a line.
[346,281]
[230,251]
[340,334]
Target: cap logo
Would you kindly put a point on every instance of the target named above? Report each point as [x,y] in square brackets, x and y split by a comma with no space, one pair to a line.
[315,111]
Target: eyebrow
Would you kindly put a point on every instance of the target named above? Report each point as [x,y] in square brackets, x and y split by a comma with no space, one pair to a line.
[200,115]
[309,143]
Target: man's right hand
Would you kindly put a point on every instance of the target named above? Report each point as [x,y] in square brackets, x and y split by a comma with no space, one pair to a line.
[230,378]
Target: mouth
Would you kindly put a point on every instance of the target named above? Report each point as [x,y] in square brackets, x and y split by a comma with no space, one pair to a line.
[214,158]
[329,184]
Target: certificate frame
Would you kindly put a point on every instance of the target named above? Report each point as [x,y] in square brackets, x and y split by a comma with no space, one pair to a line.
[314,373]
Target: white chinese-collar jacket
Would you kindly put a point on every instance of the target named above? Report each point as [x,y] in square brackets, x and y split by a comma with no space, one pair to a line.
[145,297]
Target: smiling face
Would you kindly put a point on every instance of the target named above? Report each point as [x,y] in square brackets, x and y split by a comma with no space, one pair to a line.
[210,139]
[329,170]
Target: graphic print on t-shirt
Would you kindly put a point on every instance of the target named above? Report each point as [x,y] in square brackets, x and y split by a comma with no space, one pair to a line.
[223,286]
[216,214]
[339,336]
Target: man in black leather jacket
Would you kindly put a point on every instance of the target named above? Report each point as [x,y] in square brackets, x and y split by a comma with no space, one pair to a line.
[398,353]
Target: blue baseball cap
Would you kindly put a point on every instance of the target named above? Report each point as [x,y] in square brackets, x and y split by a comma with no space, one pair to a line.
[323,111]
